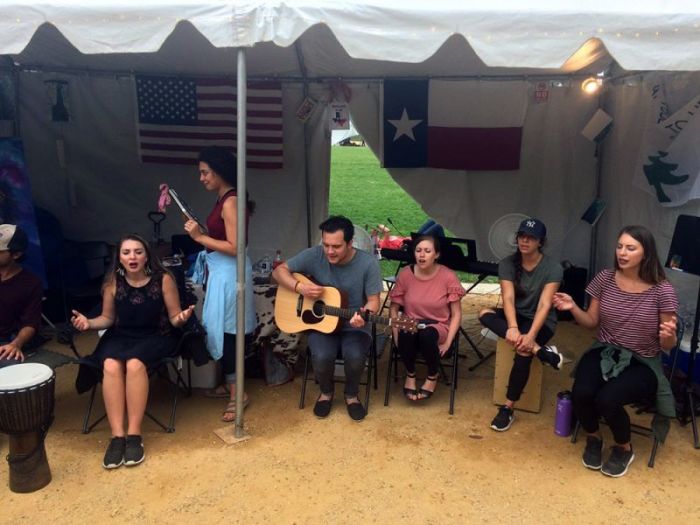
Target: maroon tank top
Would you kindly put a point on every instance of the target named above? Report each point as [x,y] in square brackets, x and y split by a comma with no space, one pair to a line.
[215,223]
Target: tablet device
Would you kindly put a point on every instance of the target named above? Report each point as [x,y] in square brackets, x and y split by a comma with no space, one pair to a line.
[185,209]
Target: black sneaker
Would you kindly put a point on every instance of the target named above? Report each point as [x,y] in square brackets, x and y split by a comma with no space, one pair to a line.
[503,420]
[618,462]
[114,457]
[593,453]
[134,454]
[551,356]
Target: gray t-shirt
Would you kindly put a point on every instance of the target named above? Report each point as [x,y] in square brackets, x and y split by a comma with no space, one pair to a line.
[531,285]
[359,278]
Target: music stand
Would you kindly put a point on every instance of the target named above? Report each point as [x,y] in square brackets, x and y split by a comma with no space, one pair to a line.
[684,256]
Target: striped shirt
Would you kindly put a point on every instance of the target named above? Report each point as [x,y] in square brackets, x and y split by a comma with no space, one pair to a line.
[631,320]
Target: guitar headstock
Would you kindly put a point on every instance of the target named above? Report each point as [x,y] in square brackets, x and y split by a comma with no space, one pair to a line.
[405,324]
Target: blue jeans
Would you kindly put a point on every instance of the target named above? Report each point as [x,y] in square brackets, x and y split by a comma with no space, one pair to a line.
[352,346]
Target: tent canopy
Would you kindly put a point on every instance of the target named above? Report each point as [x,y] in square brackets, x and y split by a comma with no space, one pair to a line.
[98,45]
[546,34]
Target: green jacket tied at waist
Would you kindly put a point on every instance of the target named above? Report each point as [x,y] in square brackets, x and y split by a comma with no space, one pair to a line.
[611,367]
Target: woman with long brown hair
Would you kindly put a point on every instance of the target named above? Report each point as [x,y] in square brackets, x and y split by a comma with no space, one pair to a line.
[140,305]
[527,321]
[633,306]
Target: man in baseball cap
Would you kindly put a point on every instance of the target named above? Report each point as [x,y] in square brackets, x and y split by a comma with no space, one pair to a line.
[20,296]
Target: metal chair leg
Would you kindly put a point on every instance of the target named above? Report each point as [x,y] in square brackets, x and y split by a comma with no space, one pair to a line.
[304,379]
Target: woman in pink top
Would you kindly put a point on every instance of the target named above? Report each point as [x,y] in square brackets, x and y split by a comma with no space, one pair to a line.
[429,292]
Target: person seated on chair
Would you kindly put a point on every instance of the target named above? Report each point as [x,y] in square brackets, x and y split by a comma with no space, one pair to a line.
[528,279]
[431,293]
[633,306]
[337,263]
[140,305]
[20,296]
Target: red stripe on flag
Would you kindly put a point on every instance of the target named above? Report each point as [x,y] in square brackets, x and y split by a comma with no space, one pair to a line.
[193,162]
[485,149]
[182,147]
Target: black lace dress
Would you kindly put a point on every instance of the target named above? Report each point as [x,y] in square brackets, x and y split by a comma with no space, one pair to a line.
[141,331]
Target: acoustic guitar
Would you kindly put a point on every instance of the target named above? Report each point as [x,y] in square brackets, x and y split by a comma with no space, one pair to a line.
[295,313]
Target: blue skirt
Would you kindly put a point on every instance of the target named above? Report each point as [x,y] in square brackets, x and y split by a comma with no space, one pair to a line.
[220,308]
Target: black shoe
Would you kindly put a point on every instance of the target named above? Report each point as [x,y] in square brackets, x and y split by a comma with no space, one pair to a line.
[618,462]
[593,453]
[356,411]
[503,420]
[134,453]
[323,407]
[424,393]
[114,457]
[551,356]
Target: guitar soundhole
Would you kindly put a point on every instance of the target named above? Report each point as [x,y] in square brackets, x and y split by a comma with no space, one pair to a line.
[318,309]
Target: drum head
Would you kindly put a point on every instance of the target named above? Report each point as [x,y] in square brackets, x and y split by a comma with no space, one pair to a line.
[24,375]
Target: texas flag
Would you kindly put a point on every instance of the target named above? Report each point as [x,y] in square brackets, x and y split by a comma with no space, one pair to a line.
[457,125]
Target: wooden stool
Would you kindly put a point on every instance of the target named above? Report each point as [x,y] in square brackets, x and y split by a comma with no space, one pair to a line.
[531,398]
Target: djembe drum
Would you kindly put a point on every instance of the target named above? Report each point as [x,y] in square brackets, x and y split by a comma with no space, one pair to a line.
[26,413]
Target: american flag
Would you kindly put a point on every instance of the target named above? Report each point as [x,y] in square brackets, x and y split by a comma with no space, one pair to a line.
[178,117]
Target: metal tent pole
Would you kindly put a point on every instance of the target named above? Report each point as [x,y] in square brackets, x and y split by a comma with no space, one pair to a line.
[241,140]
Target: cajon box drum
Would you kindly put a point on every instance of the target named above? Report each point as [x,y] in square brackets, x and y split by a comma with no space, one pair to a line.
[531,398]
[26,413]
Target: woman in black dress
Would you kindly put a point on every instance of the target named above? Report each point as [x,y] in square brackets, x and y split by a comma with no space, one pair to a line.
[140,305]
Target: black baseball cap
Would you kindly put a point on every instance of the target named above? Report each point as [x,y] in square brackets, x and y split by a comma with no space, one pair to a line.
[534,227]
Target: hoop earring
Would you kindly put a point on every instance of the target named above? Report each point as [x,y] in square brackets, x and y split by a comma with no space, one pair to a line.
[147,270]
[120,270]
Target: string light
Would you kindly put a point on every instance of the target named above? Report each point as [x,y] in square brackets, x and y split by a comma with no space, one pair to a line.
[591,85]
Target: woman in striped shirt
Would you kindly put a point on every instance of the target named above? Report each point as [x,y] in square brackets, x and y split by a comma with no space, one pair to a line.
[634,308]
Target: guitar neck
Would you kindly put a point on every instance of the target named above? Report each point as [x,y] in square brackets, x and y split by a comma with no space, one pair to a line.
[346,313]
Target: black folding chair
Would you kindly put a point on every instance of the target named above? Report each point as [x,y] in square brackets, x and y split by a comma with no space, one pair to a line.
[370,367]
[168,369]
[449,360]
[645,406]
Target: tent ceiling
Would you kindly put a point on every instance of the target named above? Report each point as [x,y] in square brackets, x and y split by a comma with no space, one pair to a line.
[562,35]
[322,55]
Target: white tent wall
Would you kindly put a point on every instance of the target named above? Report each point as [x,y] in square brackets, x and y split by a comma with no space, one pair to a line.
[556,180]
[104,189]
[627,101]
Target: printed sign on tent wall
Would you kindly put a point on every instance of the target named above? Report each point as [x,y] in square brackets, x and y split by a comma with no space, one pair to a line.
[340,117]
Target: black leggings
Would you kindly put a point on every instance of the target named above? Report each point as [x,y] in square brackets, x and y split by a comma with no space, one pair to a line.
[520,372]
[594,397]
[425,340]
[228,359]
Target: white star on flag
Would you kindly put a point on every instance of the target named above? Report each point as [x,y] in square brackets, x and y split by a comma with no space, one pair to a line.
[404,126]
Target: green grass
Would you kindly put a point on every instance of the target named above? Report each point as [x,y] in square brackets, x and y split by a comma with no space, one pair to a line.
[366,194]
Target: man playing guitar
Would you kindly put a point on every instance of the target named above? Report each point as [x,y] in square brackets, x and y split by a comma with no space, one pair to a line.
[337,263]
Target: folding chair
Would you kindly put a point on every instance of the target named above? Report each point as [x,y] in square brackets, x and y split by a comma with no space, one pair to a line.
[370,366]
[645,407]
[449,360]
[168,369]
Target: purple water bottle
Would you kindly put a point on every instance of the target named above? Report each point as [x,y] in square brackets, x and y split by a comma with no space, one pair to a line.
[562,419]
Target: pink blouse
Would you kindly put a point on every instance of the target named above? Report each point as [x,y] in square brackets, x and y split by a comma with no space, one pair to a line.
[428,299]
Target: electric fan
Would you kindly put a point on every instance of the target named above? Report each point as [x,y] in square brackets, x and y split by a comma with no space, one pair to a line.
[502,234]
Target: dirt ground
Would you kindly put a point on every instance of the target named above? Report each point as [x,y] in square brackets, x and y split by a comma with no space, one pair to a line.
[404,463]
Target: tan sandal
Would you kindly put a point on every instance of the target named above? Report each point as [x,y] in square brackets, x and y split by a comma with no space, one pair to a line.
[229,414]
